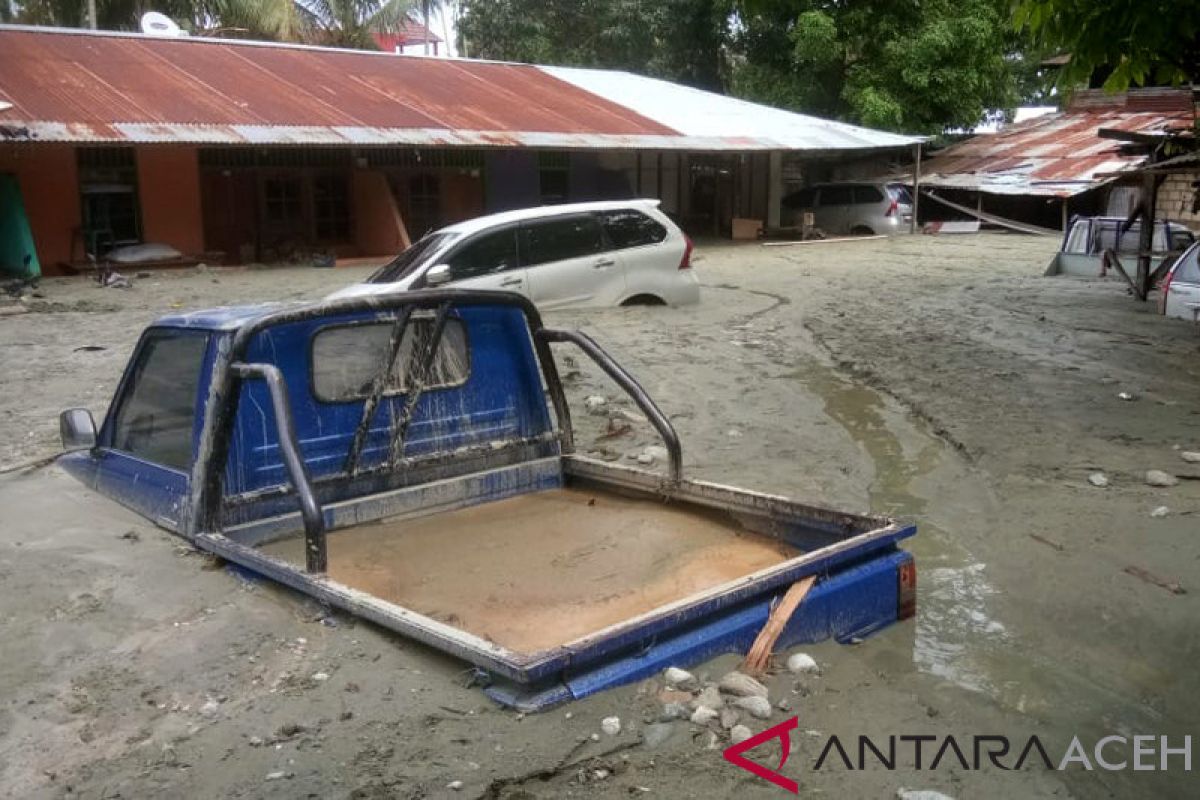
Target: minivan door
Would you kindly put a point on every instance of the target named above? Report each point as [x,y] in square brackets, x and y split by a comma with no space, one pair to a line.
[488,260]
[567,264]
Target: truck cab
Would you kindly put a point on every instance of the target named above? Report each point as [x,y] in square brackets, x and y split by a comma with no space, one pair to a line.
[410,458]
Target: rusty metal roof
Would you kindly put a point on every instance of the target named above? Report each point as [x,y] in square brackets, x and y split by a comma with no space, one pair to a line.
[86,86]
[1060,155]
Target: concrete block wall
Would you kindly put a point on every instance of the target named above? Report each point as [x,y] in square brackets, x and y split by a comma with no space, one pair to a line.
[1175,198]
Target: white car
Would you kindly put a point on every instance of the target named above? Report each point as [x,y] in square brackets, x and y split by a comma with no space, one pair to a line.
[1181,288]
[608,253]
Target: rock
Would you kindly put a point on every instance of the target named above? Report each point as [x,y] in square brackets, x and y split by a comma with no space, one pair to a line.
[1126,396]
[595,404]
[657,733]
[759,707]
[674,696]
[274,776]
[673,711]
[256,741]
[1098,479]
[1160,512]
[657,452]
[680,678]
[1156,477]
[455,786]
[709,697]
[704,715]
[611,725]
[209,708]
[1192,457]
[921,794]
[739,734]
[799,663]
[320,677]
[644,458]
[729,718]
[733,433]
[741,685]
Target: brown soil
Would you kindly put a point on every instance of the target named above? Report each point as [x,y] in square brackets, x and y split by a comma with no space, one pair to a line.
[542,570]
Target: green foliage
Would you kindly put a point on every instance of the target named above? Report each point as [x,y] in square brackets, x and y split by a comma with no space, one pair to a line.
[343,23]
[682,40]
[1121,42]
[913,65]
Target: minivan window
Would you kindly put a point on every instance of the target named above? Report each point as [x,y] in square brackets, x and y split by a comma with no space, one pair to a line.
[836,196]
[867,195]
[346,358]
[1188,270]
[403,265]
[158,409]
[629,228]
[488,253]
[559,239]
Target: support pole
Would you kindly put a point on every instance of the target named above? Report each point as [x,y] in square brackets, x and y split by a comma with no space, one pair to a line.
[916,197]
[91,11]
[1066,213]
[1146,234]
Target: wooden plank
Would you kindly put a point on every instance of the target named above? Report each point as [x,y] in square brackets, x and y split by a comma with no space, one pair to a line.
[759,654]
[1021,227]
[826,241]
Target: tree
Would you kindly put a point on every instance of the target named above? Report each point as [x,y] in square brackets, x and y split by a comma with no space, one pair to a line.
[1118,42]
[681,40]
[912,65]
[350,23]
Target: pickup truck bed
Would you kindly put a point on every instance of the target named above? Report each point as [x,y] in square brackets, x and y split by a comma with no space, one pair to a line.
[542,570]
[411,459]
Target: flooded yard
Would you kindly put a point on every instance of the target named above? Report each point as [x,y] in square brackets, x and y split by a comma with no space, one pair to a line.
[937,379]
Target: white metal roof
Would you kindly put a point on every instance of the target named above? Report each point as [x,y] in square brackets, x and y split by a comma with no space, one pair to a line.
[706,115]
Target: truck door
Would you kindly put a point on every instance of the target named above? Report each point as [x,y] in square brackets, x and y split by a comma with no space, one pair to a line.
[567,263]
[1183,290]
[145,450]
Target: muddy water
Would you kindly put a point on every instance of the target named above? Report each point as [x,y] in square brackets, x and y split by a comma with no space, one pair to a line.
[958,637]
[543,569]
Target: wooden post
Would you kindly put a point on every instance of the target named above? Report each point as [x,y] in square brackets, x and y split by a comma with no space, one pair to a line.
[1146,234]
[1066,215]
[912,226]
[638,184]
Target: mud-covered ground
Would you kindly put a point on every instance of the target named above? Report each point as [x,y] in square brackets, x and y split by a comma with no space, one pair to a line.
[938,379]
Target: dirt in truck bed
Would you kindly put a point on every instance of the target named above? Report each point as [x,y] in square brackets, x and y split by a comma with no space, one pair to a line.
[938,379]
[543,569]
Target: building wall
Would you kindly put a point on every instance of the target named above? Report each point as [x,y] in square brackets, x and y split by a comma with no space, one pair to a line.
[169,194]
[48,179]
[1176,196]
[379,228]
[462,197]
[512,180]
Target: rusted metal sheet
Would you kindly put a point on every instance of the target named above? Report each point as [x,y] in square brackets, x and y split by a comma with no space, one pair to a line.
[1060,155]
[84,86]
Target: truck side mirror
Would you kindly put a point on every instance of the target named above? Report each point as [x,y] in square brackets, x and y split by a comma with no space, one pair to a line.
[77,429]
[437,275]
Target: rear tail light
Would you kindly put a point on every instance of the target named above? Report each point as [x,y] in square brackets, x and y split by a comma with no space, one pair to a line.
[892,208]
[906,584]
[686,261]
[1164,290]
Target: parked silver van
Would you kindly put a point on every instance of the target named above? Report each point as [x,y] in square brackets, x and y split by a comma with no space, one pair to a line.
[858,209]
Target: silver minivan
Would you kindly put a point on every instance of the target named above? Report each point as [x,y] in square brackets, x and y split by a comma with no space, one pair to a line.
[858,209]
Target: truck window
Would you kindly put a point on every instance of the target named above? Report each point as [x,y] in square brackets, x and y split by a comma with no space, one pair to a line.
[346,358]
[157,411]
[559,239]
[494,251]
[1188,270]
[629,228]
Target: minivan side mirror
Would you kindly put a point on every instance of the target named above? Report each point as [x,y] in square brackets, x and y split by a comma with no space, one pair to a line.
[77,429]
[437,275]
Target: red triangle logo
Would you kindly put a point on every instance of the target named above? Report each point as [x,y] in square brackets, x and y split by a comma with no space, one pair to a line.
[782,731]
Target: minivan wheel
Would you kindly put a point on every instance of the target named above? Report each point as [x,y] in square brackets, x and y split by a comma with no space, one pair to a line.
[861,230]
[644,300]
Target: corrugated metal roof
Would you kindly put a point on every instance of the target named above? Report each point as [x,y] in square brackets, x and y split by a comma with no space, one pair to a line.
[1058,155]
[698,113]
[84,86]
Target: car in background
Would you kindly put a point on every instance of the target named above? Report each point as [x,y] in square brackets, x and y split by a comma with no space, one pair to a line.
[1086,239]
[857,209]
[609,253]
[1180,295]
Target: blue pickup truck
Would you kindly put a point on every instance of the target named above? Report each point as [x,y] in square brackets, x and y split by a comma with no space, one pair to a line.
[410,459]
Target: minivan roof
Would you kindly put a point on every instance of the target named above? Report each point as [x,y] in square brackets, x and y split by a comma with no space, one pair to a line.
[541,212]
